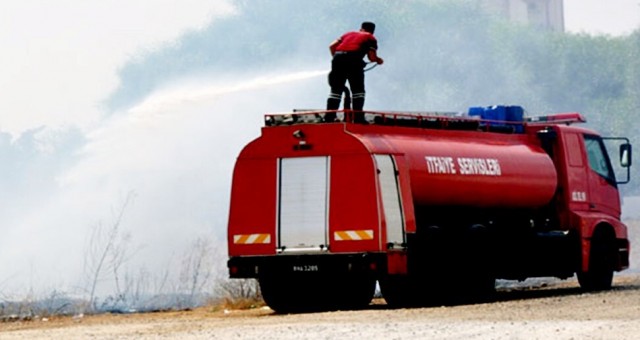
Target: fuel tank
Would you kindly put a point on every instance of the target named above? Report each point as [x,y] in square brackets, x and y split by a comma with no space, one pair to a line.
[472,169]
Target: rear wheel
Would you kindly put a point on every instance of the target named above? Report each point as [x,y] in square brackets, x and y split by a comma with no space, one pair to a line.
[398,291]
[283,297]
[447,266]
[480,287]
[407,291]
[357,292]
[314,293]
[601,262]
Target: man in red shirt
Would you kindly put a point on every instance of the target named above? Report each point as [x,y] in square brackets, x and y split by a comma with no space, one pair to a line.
[348,52]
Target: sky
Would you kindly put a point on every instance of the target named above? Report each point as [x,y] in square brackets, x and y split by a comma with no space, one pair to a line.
[59,58]
[612,17]
[58,64]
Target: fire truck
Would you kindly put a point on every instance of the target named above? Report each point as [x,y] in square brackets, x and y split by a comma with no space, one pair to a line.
[432,206]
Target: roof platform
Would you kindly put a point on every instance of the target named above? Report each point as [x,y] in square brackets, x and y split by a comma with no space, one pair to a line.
[477,119]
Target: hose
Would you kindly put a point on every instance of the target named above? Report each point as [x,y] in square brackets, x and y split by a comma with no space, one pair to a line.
[370,67]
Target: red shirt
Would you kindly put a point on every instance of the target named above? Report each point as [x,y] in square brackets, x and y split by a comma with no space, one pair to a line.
[357,41]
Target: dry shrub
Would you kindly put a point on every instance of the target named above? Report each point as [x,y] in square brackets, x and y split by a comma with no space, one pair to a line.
[238,294]
[245,303]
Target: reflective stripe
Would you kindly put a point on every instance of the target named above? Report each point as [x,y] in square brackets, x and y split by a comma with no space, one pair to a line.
[335,96]
[353,235]
[252,239]
[359,95]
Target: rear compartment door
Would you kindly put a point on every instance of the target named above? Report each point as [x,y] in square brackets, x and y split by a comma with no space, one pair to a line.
[391,202]
[302,203]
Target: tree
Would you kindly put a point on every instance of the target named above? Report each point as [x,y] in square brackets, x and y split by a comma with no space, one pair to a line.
[107,249]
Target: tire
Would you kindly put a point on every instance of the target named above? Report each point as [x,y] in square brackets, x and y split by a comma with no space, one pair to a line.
[358,293]
[409,292]
[398,292]
[479,288]
[282,297]
[316,294]
[601,262]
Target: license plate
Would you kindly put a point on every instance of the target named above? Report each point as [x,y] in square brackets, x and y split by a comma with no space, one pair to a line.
[306,268]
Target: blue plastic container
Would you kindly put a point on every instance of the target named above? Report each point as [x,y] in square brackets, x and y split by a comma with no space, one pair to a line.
[476,111]
[515,114]
[498,112]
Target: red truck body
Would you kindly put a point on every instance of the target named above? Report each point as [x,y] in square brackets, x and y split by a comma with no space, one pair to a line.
[321,211]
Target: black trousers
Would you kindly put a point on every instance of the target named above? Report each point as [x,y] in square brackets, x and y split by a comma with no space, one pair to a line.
[346,67]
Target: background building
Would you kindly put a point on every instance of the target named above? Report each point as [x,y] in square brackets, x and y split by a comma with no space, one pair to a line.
[546,14]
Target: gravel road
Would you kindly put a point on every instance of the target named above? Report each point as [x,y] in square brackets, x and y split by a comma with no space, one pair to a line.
[548,311]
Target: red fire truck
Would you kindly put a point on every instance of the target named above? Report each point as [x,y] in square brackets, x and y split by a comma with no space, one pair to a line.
[432,206]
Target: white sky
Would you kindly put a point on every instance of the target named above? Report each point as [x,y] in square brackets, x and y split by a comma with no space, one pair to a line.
[613,17]
[58,59]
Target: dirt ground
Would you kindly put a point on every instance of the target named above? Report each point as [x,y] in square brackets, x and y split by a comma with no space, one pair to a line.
[546,311]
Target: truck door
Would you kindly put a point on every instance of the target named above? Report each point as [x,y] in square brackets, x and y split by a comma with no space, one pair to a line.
[302,203]
[603,191]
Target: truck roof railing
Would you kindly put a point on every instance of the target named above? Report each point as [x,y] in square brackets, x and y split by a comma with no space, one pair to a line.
[558,118]
[433,120]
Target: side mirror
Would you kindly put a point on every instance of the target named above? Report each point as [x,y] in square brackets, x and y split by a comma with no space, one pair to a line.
[622,143]
[625,155]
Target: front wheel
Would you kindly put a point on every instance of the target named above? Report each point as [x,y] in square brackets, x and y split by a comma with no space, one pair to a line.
[601,263]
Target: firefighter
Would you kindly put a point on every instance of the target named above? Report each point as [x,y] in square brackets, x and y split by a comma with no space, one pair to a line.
[348,52]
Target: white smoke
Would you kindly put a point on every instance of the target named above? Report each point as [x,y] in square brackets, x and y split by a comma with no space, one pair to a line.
[175,151]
